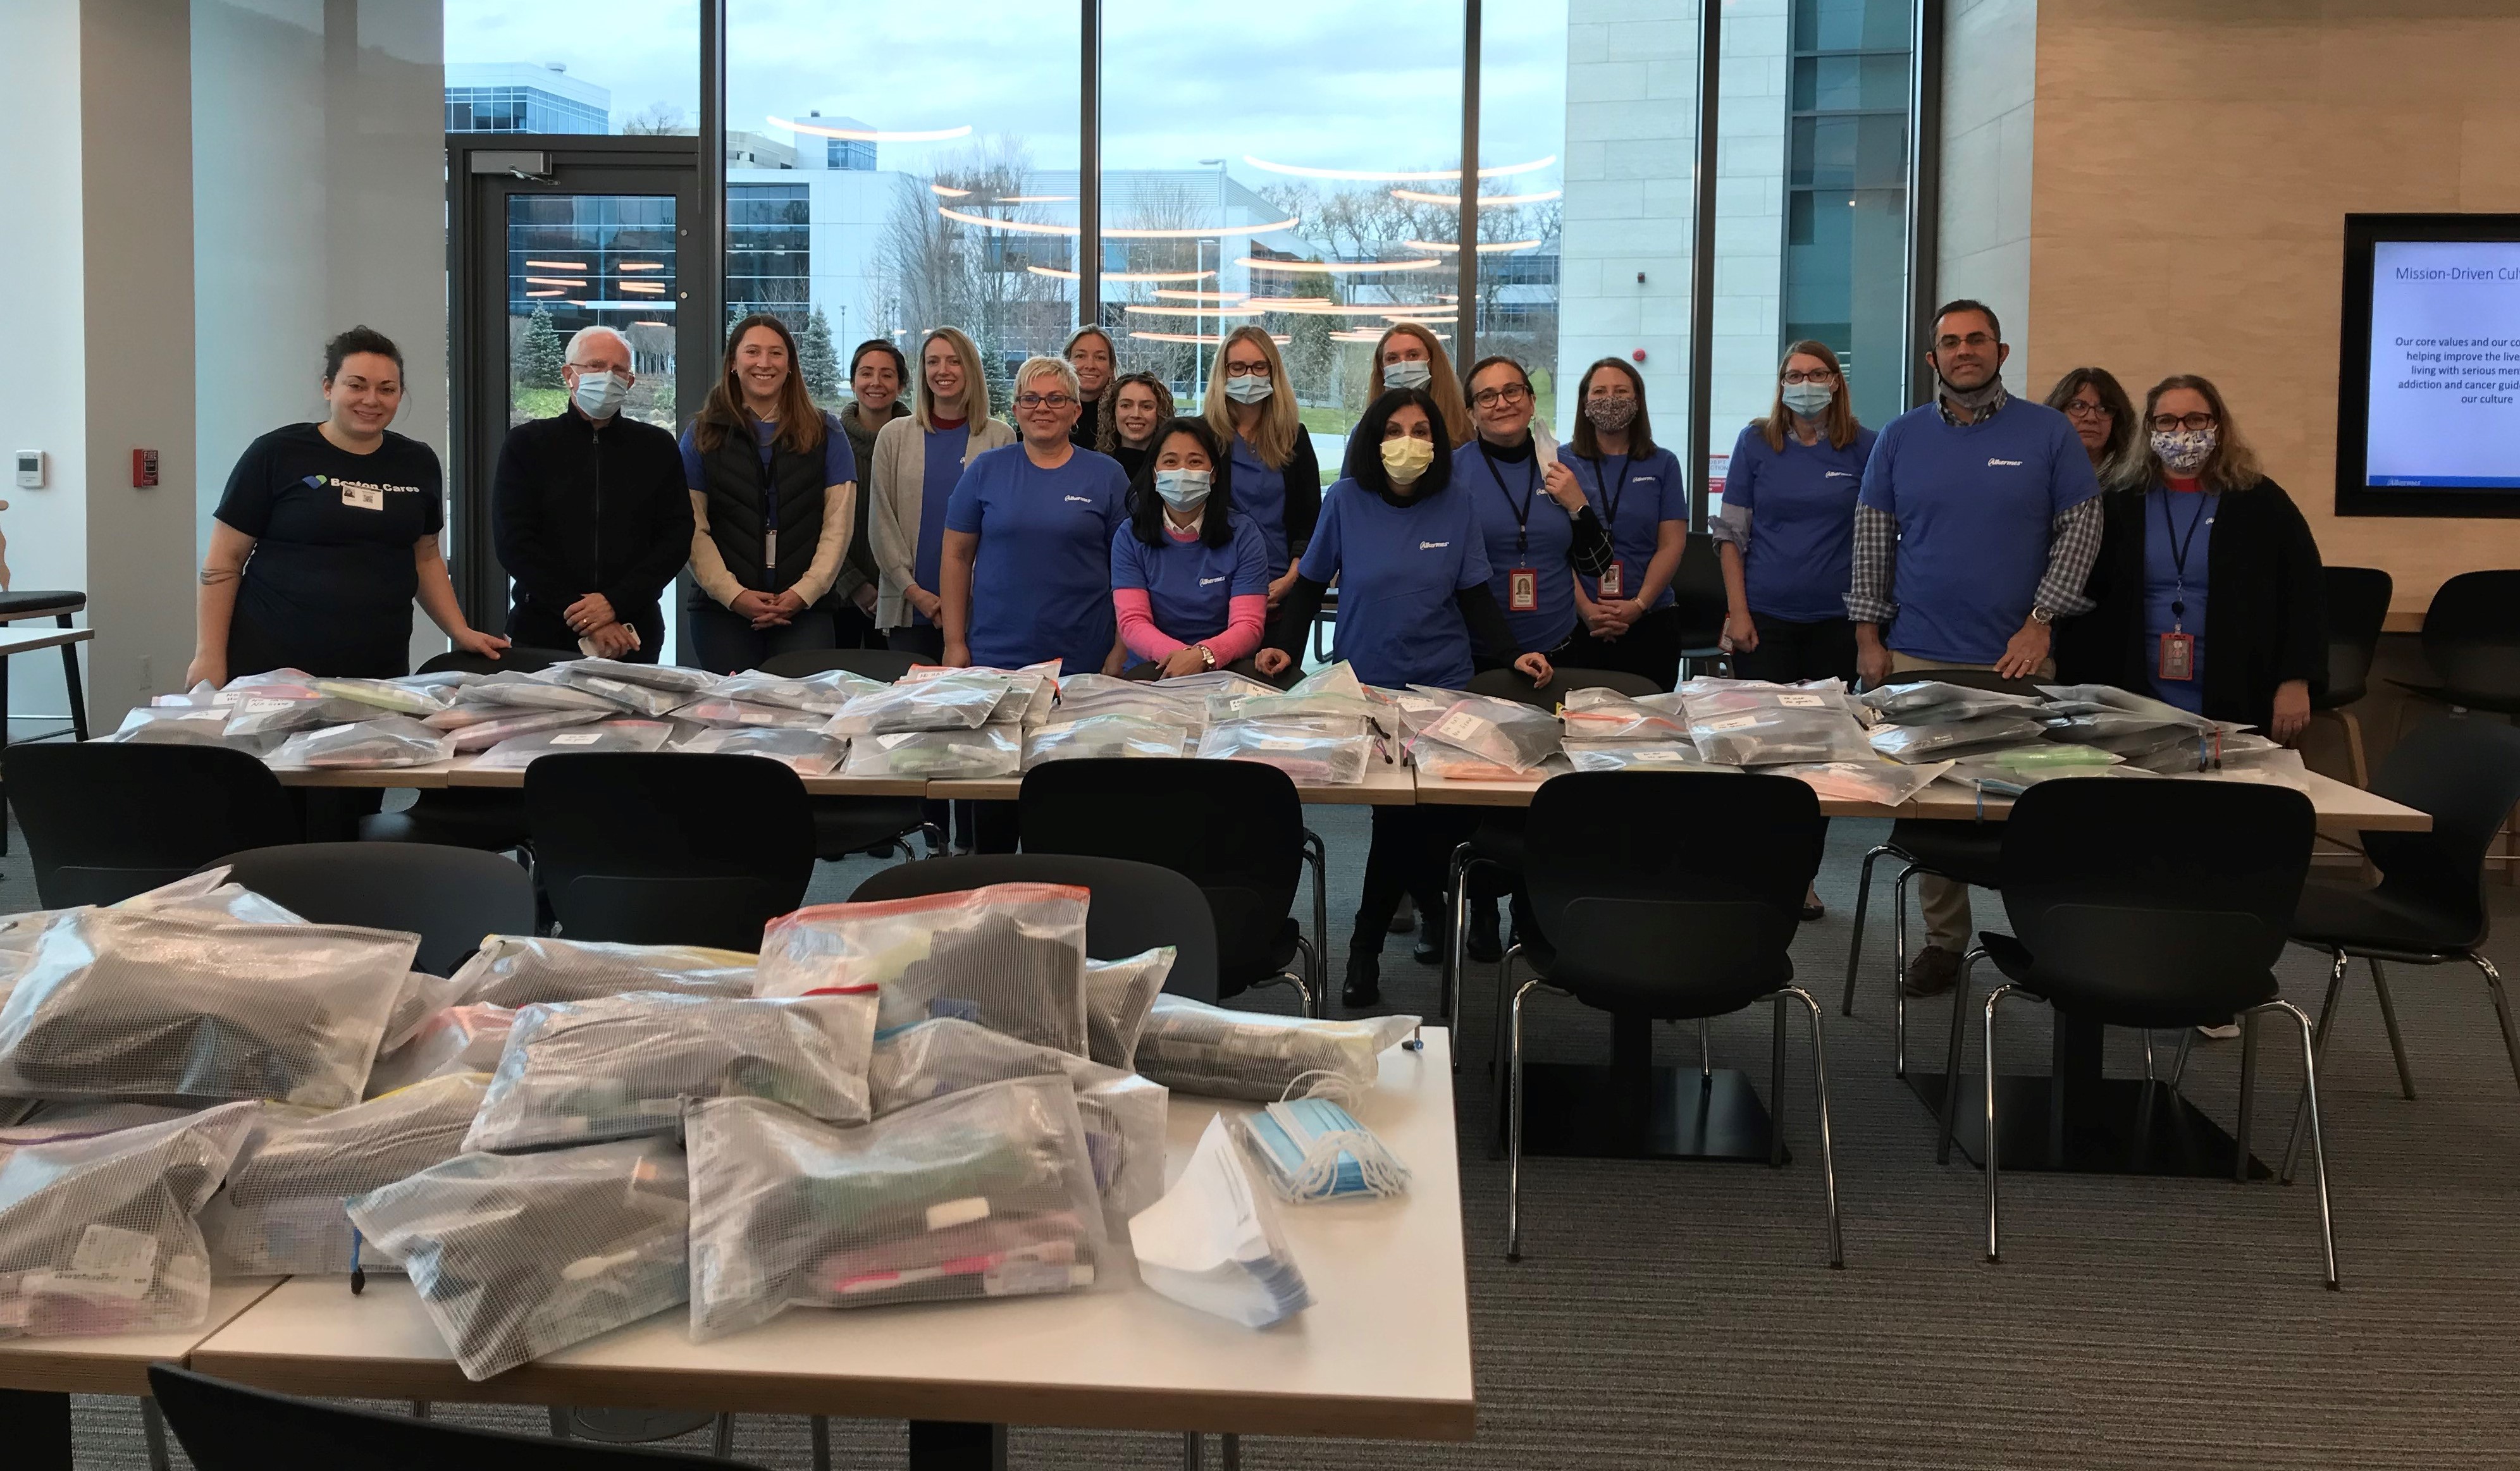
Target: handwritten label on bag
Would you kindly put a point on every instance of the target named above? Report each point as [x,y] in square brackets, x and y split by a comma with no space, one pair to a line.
[1802,701]
[585,737]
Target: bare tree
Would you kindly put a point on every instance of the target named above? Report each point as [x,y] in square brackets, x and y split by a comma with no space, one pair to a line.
[656,120]
[949,273]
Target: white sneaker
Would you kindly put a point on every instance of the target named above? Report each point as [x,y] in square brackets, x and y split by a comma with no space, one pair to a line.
[2226,1032]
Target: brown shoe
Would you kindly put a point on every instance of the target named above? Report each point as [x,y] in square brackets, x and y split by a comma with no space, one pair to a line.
[1932,972]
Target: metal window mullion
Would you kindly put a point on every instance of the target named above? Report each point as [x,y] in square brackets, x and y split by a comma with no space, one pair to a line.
[1089,169]
[1465,317]
[1701,264]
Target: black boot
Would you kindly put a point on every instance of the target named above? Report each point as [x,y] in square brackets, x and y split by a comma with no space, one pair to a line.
[1432,938]
[1363,985]
[1482,942]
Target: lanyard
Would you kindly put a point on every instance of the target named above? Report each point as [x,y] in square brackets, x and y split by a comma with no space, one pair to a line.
[1530,488]
[2179,550]
[1610,500]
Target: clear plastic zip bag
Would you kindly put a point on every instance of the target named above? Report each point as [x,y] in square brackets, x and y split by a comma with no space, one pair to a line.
[1009,957]
[1508,732]
[675,677]
[1942,738]
[807,752]
[1598,714]
[387,696]
[1085,695]
[457,1040]
[1638,756]
[1779,736]
[476,736]
[1934,702]
[510,689]
[1313,752]
[278,714]
[283,1207]
[519,970]
[938,755]
[394,742]
[1333,694]
[960,699]
[982,1193]
[622,695]
[516,1256]
[1885,783]
[1194,1047]
[1103,736]
[719,712]
[518,752]
[816,694]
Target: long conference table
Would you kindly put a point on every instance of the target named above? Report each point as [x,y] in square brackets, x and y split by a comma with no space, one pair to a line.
[1383,1353]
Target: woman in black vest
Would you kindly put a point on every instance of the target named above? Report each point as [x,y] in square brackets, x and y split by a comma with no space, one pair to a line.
[773,485]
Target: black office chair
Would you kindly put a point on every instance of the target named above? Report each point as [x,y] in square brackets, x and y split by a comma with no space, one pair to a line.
[2429,907]
[664,848]
[1668,896]
[104,821]
[1136,906]
[1697,593]
[2471,639]
[2148,905]
[1234,829]
[227,1427]
[886,664]
[449,897]
[1496,844]
[1969,853]
[487,818]
[2357,605]
[60,606]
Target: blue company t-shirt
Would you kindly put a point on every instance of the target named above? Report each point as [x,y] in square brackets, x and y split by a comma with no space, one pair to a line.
[1398,568]
[944,450]
[1801,500]
[1520,527]
[1041,585]
[1190,586]
[1260,492]
[1633,497]
[1974,505]
[2189,526]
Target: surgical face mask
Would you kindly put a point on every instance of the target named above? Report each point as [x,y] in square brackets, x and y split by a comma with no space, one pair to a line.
[1407,373]
[1610,415]
[1183,490]
[1809,398]
[1404,460]
[598,394]
[2184,452]
[1249,389]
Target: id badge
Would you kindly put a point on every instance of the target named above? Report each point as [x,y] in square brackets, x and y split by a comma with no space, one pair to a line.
[769,549]
[2178,656]
[1522,590]
[1614,581]
[363,497]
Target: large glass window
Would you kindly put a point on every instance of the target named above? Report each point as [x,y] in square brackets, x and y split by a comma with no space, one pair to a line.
[572,66]
[1302,172]
[1846,193]
[896,168]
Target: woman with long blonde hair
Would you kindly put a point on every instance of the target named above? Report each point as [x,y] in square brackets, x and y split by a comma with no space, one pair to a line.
[1277,479]
[919,460]
[1795,471]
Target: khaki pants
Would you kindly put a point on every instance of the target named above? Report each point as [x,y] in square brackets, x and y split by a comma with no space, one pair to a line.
[1946,903]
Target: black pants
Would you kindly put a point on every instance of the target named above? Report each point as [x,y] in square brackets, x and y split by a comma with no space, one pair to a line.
[924,640]
[850,628]
[1650,648]
[1412,849]
[534,626]
[1791,652]
[723,642]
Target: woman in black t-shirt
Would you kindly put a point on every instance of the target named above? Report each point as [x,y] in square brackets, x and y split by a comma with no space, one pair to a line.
[326,534]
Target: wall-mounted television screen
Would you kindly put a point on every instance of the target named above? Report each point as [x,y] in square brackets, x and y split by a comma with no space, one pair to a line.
[2428,379]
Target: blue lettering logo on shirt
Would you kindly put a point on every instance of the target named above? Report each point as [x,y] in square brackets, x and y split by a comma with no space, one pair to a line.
[1433,546]
[1992,461]
[1209,582]
[1080,500]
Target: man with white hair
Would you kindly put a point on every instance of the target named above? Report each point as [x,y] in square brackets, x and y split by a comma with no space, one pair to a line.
[590,513]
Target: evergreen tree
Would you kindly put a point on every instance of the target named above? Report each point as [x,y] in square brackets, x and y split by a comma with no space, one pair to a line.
[817,359]
[539,352]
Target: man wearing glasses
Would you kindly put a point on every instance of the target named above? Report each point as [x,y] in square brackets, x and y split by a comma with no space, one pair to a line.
[1975,530]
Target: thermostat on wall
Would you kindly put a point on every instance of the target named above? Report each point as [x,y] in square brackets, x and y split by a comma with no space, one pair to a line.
[31,470]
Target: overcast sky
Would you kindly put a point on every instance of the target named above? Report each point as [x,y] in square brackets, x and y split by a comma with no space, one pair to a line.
[1366,84]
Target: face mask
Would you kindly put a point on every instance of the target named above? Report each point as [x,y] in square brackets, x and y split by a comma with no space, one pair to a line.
[1610,415]
[1249,389]
[1407,373]
[1808,399]
[1183,490]
[1404,460]
[2184,452]
[598,394]
[1972,399]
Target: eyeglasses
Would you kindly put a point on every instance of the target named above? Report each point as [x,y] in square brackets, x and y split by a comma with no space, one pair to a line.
[1977,340]
[1510,394]
[2163,423]
[1031,401]
[1246,369]
[2077,408]
[1820,376]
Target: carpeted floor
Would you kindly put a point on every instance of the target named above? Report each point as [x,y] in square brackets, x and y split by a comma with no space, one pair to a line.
[1680,1316]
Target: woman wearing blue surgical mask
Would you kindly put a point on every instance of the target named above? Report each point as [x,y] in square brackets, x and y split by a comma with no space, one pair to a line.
[1277,479]
[1189,573]
[2215,599]
[1408,356]
[1630,622]
[1786,534]
[1403,542]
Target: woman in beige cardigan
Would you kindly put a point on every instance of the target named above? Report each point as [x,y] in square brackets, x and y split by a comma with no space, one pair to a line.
[918,460]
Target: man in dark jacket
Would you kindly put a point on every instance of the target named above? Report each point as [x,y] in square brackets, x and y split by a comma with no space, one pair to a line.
[591,515]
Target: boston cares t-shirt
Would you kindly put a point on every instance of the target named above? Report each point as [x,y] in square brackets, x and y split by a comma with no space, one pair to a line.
[334,532]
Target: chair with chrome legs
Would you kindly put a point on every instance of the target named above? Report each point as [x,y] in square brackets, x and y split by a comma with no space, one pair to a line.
[2147,905]
[1963,853]
[2429,907]
[1667,896]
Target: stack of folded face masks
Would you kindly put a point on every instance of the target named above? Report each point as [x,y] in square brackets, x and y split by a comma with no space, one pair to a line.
[982,1193]
[807,752]
[1212,1243]
[1313,1150]
[1754,722]
[1009,957]
[517,1256]
[619,1066]
[1194,1047]
[281,1210]
[97,1233]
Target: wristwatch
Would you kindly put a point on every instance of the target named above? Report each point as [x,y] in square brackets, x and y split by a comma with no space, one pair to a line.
[2042,615]
[1206,657]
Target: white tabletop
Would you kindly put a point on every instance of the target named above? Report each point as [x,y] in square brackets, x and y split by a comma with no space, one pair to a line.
[1385,1352]
[117,1364]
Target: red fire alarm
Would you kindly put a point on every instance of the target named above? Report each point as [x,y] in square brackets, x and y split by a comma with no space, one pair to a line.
[143,468]
[1639,354]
